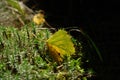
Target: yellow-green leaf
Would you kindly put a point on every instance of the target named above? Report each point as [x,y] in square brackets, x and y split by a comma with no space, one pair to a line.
[60,45]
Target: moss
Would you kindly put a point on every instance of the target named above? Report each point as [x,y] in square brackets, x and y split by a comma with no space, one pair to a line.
[24,55]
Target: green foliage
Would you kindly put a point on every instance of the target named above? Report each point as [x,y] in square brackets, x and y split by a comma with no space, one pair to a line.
[16,6]
[24,56]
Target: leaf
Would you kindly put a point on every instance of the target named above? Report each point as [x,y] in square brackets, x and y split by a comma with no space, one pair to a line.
[39,19]
[60,45]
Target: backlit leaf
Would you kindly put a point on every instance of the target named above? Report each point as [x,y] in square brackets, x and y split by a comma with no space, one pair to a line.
[60,45]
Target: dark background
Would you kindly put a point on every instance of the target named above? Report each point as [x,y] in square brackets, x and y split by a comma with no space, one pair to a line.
[99,18]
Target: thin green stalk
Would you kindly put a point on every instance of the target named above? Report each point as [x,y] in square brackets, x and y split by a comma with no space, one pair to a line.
[92,43]
[89,39]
